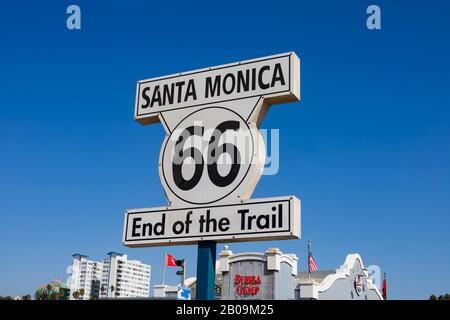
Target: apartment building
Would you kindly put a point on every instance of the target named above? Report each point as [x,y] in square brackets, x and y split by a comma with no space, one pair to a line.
[85,278]
[123,278]
[115,277]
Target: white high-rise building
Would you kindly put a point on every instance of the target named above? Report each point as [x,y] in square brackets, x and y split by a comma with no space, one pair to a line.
[85,278]
[124,278]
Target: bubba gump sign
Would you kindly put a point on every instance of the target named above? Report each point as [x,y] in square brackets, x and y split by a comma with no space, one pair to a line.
[247,285]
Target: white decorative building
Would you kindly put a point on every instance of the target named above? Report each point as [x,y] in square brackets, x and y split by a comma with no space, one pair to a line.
[351,281]
[123,278]
[273,275]
[85,278]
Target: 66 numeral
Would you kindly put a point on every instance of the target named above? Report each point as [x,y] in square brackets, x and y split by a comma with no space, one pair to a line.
[213,154]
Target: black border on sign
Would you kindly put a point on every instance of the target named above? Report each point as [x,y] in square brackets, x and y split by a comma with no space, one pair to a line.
[208,207]
[168,139]
[211,102]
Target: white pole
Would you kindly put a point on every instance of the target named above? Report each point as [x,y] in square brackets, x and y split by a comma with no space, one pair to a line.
[164,268]
[309,252]
[184,272]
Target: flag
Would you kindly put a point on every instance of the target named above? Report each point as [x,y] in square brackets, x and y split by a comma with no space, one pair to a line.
[312,265]
[170,261]
[179,263]
[384,288]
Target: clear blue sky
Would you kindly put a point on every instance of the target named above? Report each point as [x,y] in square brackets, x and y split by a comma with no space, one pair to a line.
[367,150]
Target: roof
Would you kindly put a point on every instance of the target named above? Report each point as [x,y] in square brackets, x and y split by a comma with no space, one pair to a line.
[317,276]
[113,253]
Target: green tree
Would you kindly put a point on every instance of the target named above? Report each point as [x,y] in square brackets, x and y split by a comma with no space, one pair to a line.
[112,290]
[54,295]
[41,294]
[76,295]
[441,297]
[82,293]
[62,294]
[26,297]
[102,289]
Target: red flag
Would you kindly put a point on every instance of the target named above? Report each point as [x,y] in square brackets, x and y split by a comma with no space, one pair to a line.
[384,288]
[170,261]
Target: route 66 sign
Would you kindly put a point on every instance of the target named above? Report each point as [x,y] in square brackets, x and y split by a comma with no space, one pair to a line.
[213,154]
[216,156]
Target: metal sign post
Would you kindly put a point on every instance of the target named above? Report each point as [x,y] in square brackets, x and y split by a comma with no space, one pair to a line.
[206,271]
[212,158]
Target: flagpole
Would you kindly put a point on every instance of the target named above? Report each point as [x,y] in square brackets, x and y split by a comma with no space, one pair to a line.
[309,253]
[184,272]
[164,268]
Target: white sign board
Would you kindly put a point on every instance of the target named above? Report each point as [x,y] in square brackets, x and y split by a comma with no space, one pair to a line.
[257,219]
[271,77]
[213,154]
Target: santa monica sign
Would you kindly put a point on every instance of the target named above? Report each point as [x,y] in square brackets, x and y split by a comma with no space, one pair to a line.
[269,77]
[213,154]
